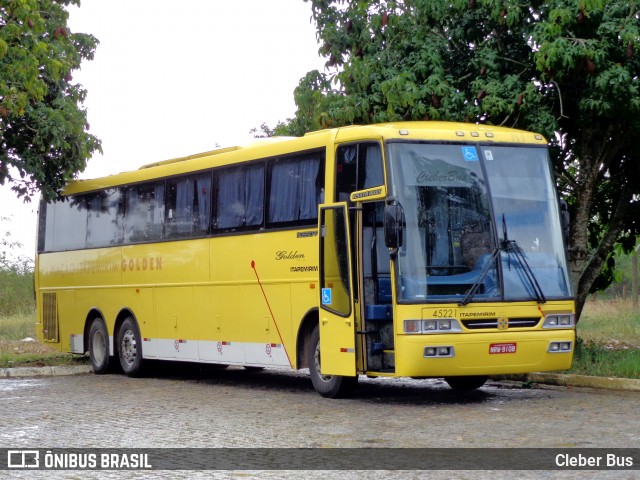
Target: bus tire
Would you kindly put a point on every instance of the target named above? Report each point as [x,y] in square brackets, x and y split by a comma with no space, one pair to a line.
[329,386]
[99,354]
[130,348]
[465,384]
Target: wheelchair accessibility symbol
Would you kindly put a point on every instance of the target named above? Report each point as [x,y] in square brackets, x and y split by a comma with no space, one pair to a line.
[326,296]
[470,154]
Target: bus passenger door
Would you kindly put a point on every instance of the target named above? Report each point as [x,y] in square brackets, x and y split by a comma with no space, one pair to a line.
[337,309]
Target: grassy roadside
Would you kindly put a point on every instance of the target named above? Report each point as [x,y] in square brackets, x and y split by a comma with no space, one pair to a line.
[601,360]
[15,351]
[608,342]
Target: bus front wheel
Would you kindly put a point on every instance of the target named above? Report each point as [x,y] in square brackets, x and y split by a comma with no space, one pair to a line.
[99,346]
[130,348]
[465,384]
[329,386]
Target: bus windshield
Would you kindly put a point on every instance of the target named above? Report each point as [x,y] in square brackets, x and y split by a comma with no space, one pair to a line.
[480,218]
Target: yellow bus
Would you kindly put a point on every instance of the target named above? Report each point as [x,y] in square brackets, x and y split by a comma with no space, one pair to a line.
[415,249]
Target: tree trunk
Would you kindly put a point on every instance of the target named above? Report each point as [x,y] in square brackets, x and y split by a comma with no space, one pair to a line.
[634,277]
[586,260]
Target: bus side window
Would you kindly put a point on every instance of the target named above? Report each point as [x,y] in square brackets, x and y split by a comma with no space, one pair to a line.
[295,190]
[144,212]
[105,218]
[188,207]
[239,198]
[66,224]
[359,166]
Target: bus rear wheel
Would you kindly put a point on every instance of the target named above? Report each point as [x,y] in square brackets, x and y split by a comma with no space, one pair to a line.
[130,348]
[465,384]
[99,346]
[329,386]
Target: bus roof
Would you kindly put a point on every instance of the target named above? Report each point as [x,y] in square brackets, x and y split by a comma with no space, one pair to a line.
[278,146]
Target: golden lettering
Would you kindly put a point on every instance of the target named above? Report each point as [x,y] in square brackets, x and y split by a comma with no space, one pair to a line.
[140,264]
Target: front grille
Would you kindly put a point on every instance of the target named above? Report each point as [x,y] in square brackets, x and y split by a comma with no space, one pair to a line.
[50,317]
[492,323]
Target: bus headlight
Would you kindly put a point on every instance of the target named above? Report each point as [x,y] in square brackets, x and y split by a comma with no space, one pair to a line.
[559,320]
[412,326]
[560,347]
[439,351]
[432,325]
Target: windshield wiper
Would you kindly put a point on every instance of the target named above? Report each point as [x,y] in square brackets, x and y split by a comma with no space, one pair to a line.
[508,246]
[483,273]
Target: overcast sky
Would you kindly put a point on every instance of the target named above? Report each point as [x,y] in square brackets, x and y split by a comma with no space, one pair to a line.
[171,79]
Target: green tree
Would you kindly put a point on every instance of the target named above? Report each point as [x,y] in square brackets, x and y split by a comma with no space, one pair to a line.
[565,68]
[44,139]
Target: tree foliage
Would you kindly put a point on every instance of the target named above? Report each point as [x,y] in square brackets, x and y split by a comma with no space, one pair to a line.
[44,139]
[565,68]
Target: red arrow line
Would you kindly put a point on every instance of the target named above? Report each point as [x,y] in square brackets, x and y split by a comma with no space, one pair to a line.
[253,265]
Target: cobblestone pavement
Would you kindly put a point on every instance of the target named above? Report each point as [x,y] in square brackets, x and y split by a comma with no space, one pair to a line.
[178,406]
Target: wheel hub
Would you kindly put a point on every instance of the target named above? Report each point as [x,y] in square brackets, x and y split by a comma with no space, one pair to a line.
[128,347]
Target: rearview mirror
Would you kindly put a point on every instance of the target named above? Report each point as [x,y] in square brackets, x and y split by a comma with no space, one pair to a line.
[393,225]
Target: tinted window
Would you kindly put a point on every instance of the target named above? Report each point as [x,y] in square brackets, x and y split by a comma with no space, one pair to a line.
[240,197]
[144,212]
[188,208]
[104,221]
[66,224]
[295,190]
[42,225]
[359,166]
[334,263]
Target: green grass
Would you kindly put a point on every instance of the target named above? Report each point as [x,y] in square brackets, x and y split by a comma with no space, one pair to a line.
[18,326]
[610,322]
[608,340]
[16,293]
[601,360]
[15,352]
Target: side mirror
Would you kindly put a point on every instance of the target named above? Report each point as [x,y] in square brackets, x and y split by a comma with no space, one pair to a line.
[393,225]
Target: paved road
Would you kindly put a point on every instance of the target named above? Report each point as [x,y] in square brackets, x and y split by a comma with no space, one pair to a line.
[196,407]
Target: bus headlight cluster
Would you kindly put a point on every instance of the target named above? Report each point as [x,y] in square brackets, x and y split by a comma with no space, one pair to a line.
[560,347]
[432,325]
[564,320]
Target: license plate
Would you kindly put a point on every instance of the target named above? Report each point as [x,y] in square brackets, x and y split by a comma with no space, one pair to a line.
[496,348]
